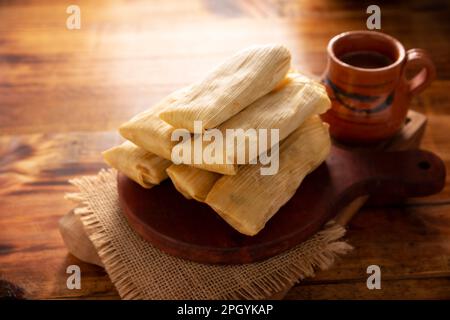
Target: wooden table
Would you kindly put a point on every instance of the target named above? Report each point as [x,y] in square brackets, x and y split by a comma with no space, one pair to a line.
[64,92]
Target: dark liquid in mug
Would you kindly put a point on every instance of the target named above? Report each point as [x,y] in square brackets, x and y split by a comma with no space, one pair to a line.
[366,59]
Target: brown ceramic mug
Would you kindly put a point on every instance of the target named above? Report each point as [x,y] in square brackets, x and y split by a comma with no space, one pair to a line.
[367,85]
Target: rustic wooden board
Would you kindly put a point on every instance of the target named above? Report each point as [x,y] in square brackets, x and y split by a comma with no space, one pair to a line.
[61,92]
[192,230]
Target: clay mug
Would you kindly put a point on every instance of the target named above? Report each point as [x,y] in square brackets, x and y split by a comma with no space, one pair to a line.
[367,84]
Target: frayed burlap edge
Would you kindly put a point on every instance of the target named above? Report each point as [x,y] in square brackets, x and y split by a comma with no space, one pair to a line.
[319,253]
[112,261]
[319,258]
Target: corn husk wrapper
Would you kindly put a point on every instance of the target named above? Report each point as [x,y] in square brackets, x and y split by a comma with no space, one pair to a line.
[149,132]
[285,108]
[191,182]
[231,87]
[248,200]
[143,167]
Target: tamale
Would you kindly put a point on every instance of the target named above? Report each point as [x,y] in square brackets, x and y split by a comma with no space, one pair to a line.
[192,182]
[248,200]
[143,167]
[285,108]
[149,132]
[229,88]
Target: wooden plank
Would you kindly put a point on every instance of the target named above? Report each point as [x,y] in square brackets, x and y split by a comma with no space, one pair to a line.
[409,289]
[128,55]
[34,170]
[121,62]
[409,242]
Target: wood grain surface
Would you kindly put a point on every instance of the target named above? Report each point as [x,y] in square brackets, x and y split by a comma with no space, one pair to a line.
[64,92]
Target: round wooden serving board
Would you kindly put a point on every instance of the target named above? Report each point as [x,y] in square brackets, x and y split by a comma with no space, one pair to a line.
[192,230]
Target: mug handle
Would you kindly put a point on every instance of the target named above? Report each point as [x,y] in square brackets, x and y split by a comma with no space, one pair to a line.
[425,76]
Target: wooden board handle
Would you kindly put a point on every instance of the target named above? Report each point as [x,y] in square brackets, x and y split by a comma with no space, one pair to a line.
[400,174]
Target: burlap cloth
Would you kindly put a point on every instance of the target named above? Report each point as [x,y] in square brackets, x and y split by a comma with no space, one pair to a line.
[140,271]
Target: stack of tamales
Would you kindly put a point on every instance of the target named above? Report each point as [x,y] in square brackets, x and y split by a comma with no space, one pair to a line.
[254,89]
